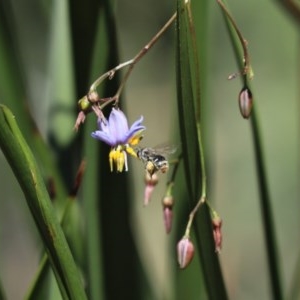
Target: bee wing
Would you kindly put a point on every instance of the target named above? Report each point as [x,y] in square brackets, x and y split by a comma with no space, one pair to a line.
[165,149]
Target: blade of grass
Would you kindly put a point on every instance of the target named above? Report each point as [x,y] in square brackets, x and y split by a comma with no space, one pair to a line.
[61,92]
[13,91]
[27,173]
[192,147]
[94,250]
[265,201]
[108,224]
[41,283]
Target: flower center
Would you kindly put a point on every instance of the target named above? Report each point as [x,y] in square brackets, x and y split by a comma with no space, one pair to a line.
[118,157]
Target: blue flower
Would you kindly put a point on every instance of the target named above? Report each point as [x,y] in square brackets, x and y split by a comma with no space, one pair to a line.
[116,133]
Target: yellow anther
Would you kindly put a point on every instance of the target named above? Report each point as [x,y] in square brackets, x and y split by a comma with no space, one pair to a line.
[131,151]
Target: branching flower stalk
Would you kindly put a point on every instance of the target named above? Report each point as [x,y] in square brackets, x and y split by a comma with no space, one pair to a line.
[92,101]
[131,63]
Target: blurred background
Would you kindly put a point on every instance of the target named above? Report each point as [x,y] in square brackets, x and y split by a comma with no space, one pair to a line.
[42,39]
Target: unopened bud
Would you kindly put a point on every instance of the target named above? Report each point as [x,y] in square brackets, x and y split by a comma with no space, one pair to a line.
[150,181]
[168,201]
[84,104]
[217,233]
[93,97]
[185,252]
[245,102]
[168,218]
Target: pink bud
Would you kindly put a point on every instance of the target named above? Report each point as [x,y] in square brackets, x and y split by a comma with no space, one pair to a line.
[168,201]
[245,102]
[217,224]
[151,182]
[185,252]
[151,179]
[168,217]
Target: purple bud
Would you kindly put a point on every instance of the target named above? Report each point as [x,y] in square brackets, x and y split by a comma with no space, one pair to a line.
[245,102]
[185,252]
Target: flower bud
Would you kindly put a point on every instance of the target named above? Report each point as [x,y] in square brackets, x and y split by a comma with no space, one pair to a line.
[168,203]
[150,181]
[168,217]
[217,224]
[245,102]
[185,252]
[93,97]
[84,104]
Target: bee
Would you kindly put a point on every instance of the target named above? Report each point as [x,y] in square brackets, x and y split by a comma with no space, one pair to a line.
[155,159]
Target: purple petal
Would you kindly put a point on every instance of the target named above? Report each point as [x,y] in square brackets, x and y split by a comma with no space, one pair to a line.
[103,134]
[118,126]
[104,137]
[135,127]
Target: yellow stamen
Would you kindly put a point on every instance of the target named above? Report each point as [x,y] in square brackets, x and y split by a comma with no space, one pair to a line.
[118,157]
[111,159]
[120,160]
[131,151]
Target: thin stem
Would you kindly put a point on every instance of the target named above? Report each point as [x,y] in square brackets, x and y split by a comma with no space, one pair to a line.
[192,216]
[202,162]
[131,63]
[109,74]
[175,169]
[246,58]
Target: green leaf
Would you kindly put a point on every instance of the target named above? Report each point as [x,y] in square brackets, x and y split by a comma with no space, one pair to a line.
[189,118]
[263,186]
[29,177]
[106,195]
